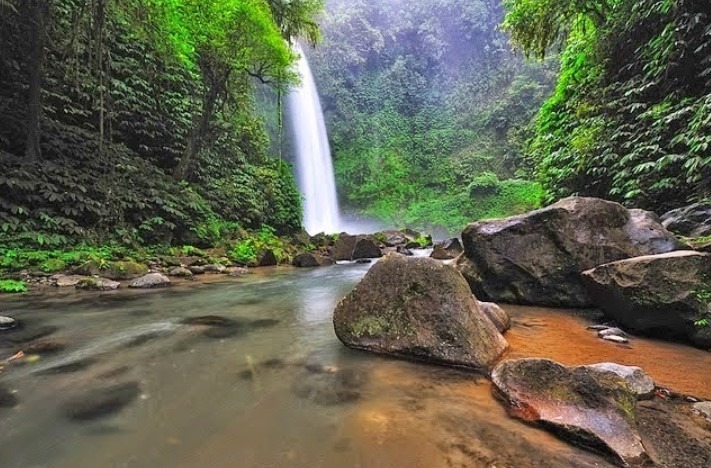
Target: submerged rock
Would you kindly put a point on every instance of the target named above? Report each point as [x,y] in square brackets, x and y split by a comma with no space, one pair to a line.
[666,295]
[310,260]
[7,398]
[420,309]
[329,385]
[536,258]
[497,315]
[593,408]
[97,284]
[101,401]
[447,250]
[151,280]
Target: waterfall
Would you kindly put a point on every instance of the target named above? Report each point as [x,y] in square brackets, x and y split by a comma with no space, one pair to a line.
[314,168]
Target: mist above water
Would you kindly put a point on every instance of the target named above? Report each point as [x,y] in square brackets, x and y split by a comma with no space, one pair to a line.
[314,168]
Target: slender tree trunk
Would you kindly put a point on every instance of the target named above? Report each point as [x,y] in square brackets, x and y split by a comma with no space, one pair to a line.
[37,10]
[201,125]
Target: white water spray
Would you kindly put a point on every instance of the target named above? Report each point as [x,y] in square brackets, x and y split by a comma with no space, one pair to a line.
[314,168]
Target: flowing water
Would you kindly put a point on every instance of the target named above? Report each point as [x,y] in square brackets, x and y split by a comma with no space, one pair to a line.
[314,168]
[279,390]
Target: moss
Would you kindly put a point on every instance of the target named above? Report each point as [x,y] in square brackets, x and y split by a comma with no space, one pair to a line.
[370,326]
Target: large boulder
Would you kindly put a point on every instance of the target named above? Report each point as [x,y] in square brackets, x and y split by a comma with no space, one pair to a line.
[536,258]
[392,238]
[593,408]
[348,247]
[311,260]
[266,258]
[667,295]
[447,250]
[121,270]
[691,221]
[149,281]
[366,248]
[420,309]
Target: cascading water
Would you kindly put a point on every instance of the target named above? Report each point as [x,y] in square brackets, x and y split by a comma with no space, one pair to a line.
[314,169]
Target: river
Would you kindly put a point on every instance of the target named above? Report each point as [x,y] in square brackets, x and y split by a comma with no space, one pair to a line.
[280,390]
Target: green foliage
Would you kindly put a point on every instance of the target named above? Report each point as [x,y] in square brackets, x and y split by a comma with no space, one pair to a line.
[421,98]
[246,250]
[12,286]
[124,100]
[631,116]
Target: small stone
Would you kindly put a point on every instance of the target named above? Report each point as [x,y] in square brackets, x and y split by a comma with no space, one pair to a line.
[610,332]
[97,284]
[237,271]
[181,272]
[151,280]
[598,327]
[197,270]
[63,281]
[215,268]
[364,261]
[6,323]
[616,339]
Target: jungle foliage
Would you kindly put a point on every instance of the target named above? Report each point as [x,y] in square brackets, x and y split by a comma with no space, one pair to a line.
[424,102]
[630,118]
[134,121]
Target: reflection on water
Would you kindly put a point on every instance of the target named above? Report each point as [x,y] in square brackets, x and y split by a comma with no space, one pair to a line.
[272,386]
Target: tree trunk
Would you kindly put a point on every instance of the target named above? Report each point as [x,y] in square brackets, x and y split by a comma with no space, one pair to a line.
[35,71]
[201,126]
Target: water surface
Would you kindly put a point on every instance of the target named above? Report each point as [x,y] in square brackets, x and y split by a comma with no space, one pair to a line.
[280,390]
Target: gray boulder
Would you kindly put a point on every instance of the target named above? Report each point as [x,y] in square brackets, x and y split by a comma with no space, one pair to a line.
[418,308]
[537,258]
[447,250]
[668,295]
[149,281]
[311,260]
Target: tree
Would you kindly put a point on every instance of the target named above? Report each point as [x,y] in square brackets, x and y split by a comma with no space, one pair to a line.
[537,25]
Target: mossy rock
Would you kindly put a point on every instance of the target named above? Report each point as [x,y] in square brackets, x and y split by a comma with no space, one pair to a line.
[418,308]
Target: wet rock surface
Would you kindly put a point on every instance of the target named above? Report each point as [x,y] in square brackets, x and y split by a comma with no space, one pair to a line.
[691,221]
[537,258]
[641,383]
[311,260]
[420,309]
[497,315]
[447,250]
[150,281]
[591,408]
[101,401]
[660,295]
[7,323]
[348,247]
[7,398]
[97,284]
